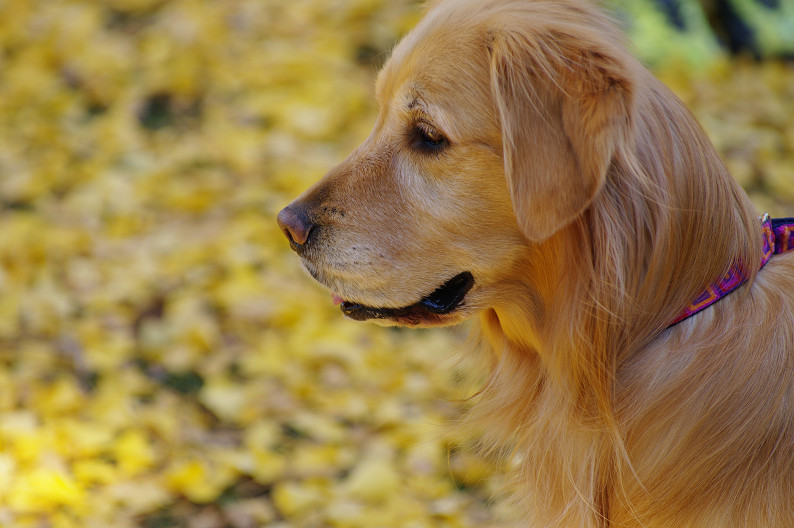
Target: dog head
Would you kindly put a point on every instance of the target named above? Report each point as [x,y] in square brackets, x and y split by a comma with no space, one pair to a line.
[497,124]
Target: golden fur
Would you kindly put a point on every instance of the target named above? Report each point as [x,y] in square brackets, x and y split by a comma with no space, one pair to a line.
[590,208]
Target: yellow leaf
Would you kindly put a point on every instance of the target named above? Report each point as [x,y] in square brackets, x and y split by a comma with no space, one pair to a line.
[8,469]
[197,481]
[373,479]
[268,467]
[82,439]
[133,452]
[43,489]
[90,472]
[294,499]
[261,435]
[225,399]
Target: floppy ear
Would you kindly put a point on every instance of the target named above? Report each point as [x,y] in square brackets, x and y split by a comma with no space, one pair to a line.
[564,109]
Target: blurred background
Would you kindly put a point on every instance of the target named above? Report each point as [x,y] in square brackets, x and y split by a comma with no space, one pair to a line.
[163,360]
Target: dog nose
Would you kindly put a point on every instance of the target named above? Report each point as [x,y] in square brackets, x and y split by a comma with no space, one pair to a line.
[295,224]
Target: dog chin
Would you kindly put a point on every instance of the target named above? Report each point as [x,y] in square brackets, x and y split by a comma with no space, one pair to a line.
[444,306]
[412,316]
[425,322]
[348,289]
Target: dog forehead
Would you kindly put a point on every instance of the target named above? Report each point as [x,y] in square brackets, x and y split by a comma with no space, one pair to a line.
[444,63]
[447,37]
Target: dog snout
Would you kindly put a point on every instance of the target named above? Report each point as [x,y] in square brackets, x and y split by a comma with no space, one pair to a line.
[295,223]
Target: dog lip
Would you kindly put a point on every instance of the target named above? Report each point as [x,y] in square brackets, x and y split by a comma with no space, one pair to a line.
[445,299]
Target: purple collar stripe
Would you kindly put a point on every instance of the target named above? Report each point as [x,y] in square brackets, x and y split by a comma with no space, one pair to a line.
[778,238]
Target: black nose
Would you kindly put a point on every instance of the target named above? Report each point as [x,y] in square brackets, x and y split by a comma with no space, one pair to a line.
[295,224]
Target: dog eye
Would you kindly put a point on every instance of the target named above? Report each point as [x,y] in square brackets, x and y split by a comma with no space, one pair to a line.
[429,138]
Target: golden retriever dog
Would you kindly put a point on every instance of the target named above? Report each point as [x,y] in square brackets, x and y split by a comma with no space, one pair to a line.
[525,170]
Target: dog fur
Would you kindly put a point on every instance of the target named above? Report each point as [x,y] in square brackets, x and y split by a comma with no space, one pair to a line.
[519,140]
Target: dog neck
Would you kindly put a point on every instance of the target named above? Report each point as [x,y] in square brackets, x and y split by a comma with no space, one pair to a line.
[598,292]
[778,238]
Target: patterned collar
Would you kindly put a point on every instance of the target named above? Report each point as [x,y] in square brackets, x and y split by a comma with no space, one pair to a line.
[778,238]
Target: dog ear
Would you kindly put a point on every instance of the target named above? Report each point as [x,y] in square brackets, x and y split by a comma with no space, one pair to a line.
[564,109]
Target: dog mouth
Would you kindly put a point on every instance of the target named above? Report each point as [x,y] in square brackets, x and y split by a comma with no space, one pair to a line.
[444,300]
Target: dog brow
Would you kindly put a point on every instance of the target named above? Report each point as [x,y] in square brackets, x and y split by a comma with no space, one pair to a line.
[418,106]
[418,110]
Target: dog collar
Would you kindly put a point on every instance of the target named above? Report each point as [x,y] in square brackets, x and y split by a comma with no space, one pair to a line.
[778,238]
